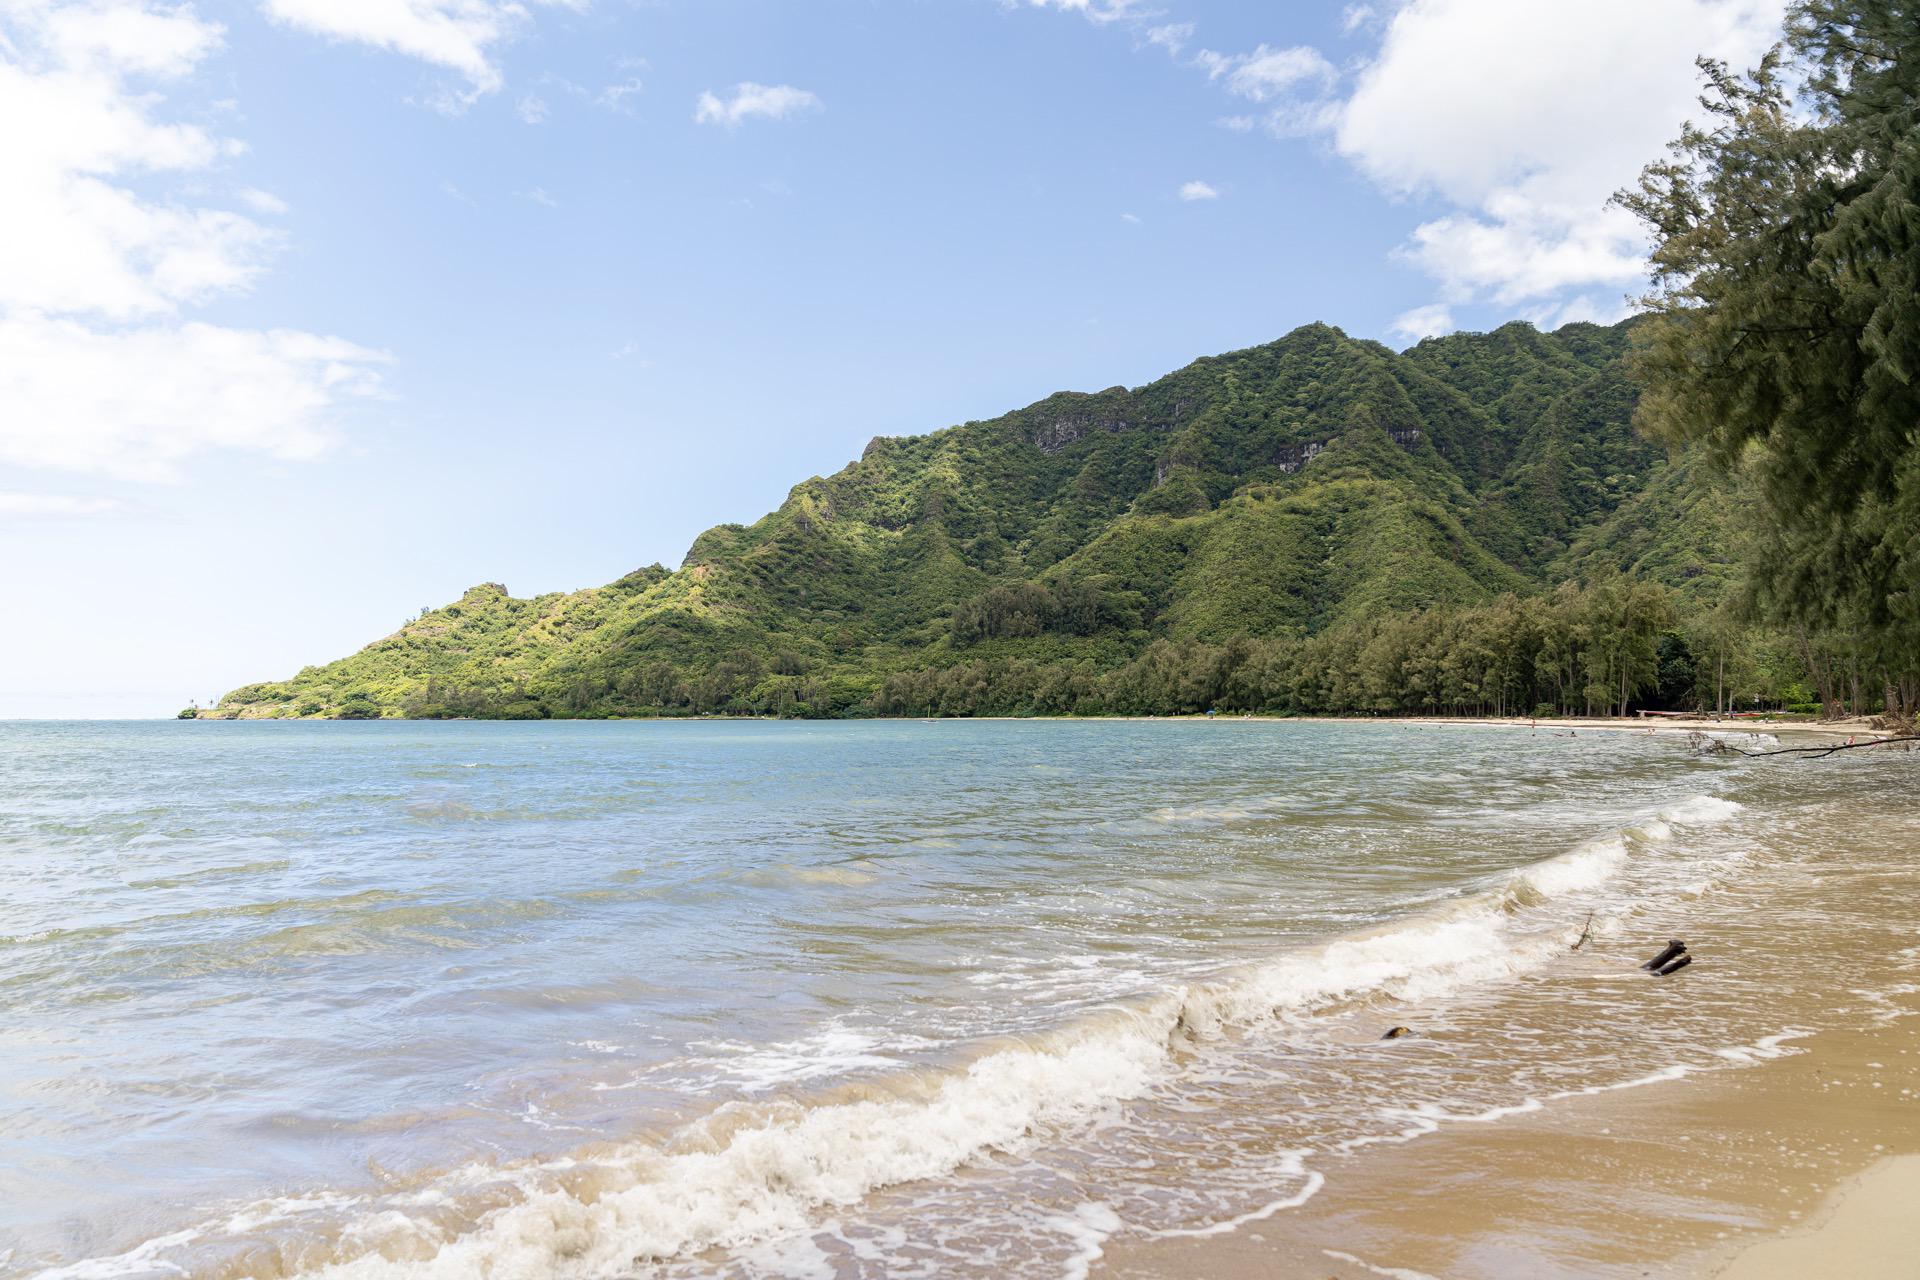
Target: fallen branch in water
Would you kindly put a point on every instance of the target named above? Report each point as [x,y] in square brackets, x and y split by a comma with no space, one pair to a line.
[1704,745]
[1586,934]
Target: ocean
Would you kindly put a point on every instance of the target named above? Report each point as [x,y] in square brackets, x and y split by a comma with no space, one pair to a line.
[859,999]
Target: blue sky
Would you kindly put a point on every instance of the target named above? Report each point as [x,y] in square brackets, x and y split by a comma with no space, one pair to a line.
[316,312]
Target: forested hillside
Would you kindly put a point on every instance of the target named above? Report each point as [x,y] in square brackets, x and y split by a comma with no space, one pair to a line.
[1315,524]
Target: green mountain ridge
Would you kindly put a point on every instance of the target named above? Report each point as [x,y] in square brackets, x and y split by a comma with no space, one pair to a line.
[1310,486]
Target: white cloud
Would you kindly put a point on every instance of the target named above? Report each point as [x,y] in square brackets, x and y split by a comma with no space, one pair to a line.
[1523,245]
[1099,11]
[70,240]
[1422,322]
[1130,217]
[1199,191]
[1171,36]
[1237,124]
[262,202]
[1582,308]
[1266,73]
[771,102]
[97,370]
[614,96]
[118,39]
[137,403]
[539,196]
[456,34]
[532,109]
[54,504]
[1526,117]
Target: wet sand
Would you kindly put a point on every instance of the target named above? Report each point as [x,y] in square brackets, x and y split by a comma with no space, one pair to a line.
[1801,1166]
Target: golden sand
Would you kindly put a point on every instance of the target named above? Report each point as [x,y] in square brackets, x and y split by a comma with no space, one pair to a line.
[1668,1180]
[1800,1161]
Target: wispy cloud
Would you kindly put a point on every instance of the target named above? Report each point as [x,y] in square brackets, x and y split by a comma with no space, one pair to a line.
[614,96]
[1171,36]
[532,109]
[768,102]
[1100,12]
[1423,322]
[262,202]
[55,504]
[1266,73]
[1199,191]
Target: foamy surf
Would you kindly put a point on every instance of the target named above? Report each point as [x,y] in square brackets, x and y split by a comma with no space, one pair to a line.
[756,1172]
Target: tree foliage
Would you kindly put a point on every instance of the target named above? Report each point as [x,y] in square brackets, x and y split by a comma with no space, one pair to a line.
[1786,334]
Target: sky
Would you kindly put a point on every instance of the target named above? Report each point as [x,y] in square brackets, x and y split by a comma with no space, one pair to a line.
[314,313]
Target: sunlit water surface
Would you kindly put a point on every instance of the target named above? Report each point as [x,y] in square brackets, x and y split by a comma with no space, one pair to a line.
[854,999]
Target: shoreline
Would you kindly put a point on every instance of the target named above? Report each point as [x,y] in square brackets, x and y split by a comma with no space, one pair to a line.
[1856,727]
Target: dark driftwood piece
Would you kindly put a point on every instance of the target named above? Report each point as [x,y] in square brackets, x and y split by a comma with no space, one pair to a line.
[1674,947]
[1586,934]
[1676,966]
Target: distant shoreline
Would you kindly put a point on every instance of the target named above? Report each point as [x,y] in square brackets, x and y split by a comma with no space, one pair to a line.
[1849,728]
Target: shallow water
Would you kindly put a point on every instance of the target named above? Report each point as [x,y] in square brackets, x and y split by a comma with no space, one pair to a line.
[855,999]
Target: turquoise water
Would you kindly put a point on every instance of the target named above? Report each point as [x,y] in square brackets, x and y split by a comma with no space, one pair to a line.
[781,998]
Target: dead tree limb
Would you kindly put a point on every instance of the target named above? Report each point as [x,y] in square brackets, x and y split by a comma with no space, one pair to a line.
[1811,753]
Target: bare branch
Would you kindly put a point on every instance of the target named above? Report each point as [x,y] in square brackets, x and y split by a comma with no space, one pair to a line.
[1715,745]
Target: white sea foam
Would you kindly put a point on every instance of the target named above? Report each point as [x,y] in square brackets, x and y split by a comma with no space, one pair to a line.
[1089,1227]
[1766,1048]
[1200,813]
[1700,811]
[1292,1165]
[745,1173]
[835,1050]
[1745,740]
[1426,1118]
[1396,1273]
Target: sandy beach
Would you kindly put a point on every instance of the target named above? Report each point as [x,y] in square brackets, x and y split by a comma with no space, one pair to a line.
[1800,1159]
[1856,728]
[1800,1167]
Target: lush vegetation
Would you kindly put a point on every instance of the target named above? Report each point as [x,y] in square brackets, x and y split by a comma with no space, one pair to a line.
[1784,342]
[1316,525]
